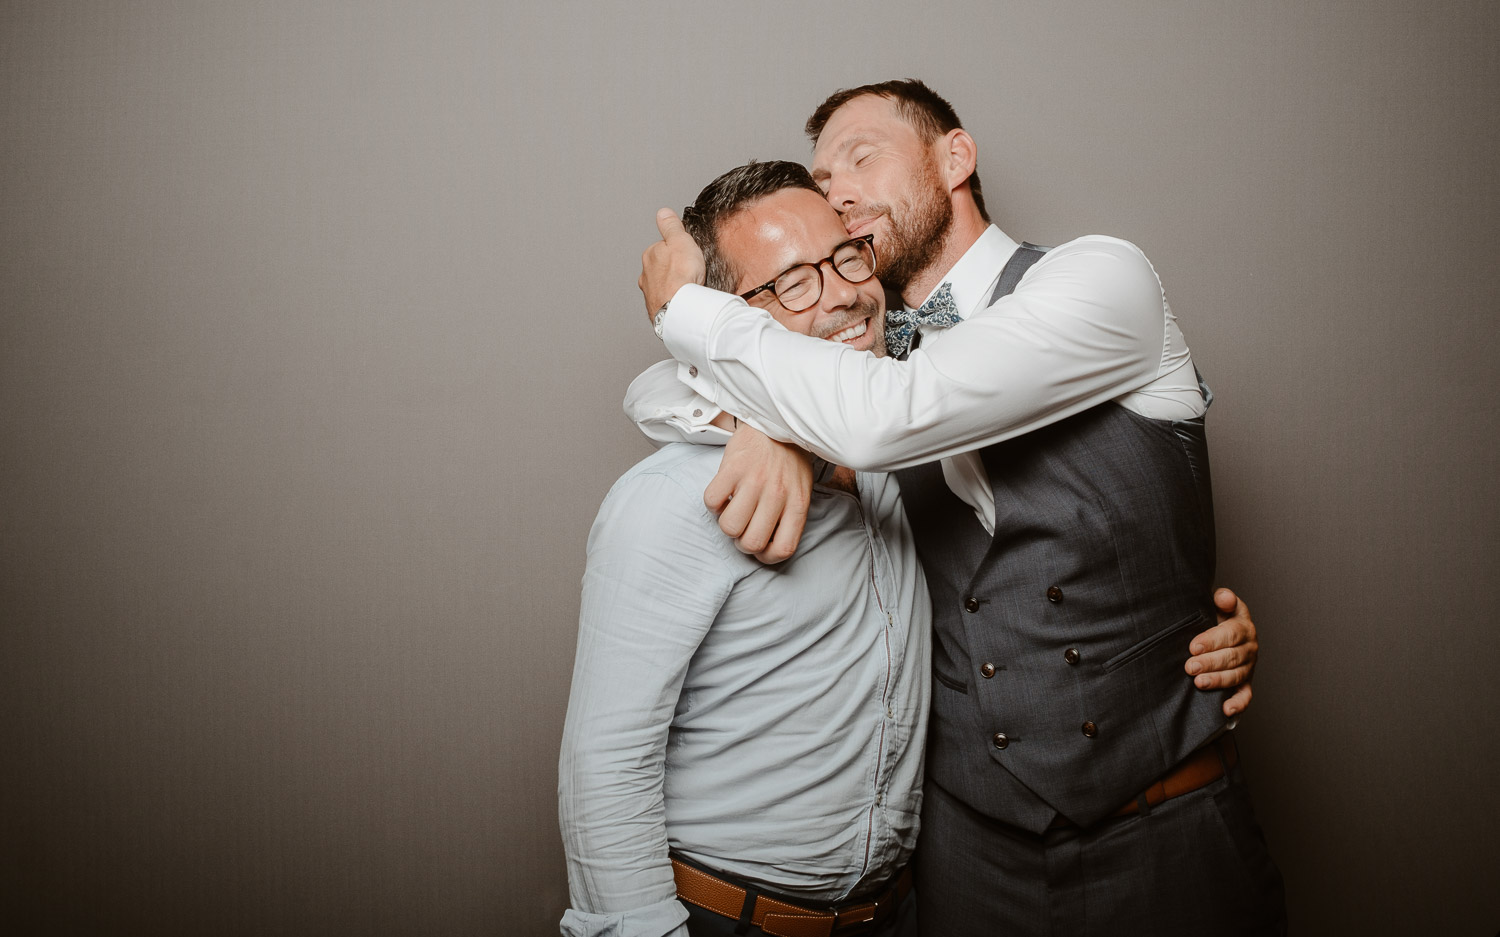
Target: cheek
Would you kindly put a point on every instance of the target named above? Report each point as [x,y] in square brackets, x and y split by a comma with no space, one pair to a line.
[795,321]
[889,181]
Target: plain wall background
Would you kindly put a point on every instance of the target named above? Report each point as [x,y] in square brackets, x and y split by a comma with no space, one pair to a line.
[314,323]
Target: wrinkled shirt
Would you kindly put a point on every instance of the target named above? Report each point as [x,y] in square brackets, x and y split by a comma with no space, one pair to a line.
[764,721]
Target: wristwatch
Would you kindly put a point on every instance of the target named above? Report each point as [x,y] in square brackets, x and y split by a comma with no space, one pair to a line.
[658,320]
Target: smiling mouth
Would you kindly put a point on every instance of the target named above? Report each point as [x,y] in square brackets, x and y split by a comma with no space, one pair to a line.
[862,226]
[851,333]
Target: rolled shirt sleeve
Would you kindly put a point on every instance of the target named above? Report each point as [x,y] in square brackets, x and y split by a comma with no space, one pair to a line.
[666,410]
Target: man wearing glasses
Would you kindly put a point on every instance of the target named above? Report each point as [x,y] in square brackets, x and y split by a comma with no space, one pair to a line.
[1049,439]
[763,723]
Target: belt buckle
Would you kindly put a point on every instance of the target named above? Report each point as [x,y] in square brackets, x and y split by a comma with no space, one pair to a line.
[856,916]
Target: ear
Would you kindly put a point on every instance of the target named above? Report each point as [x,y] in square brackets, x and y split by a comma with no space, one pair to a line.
[958,155]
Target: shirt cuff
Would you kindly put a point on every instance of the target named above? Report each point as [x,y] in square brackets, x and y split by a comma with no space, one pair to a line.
[666,411]
[663,919]
[686,332]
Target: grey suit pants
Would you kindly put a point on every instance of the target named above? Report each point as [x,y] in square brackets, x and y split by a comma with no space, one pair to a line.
[1194,865]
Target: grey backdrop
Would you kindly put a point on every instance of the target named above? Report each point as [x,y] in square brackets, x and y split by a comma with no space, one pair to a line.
[316,320]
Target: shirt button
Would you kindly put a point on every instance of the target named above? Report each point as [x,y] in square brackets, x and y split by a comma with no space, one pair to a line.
[890,711]
[1071,655]
[697,413]
[971,604]
[1090,730]
[987,670]
[1000,740]
[1054,594]
[692,370]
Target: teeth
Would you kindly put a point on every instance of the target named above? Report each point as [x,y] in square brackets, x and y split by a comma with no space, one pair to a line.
[853,331]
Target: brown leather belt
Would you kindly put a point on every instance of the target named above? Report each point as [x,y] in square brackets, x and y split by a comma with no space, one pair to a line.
[1198,770]
[782,918]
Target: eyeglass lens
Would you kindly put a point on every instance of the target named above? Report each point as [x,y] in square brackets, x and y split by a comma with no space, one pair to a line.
[800,287]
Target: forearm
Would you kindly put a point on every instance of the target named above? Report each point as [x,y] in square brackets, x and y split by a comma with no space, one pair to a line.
[1006,376]
[1087,325]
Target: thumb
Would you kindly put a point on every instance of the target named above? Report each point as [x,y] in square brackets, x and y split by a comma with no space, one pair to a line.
[670,225]
[1226,600]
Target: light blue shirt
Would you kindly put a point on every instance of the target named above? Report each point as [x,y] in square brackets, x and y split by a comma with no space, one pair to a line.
[765,721]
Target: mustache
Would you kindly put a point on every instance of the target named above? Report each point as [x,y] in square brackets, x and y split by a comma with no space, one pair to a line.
[864,308]
[856,217]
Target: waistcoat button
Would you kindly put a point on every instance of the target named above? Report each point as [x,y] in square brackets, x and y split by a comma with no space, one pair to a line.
[1054,594]
[987,670]
[971,604]
[1090,730]
[1071,655]
[1000,740]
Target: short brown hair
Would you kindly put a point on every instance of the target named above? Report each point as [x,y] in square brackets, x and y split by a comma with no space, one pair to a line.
[728,194]
[928,113]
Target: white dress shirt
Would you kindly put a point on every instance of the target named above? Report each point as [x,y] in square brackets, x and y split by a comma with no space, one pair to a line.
[1088,323]
[765,721]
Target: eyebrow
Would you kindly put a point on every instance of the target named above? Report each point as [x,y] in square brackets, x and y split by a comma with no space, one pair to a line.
[797,263]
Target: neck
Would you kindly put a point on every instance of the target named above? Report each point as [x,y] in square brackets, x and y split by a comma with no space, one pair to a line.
[842,479]
[967,226]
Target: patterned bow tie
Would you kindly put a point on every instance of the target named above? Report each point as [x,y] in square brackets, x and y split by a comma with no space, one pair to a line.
[902,324]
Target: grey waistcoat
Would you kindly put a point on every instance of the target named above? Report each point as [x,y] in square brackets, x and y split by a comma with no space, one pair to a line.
[1059,642]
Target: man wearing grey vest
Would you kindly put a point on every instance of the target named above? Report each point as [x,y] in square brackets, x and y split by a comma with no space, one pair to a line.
[1047,426]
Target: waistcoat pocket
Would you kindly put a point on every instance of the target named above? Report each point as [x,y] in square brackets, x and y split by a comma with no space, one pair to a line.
[1141,647]
[951,683]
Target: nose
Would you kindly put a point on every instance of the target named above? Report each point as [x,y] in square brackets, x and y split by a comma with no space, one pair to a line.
[838,292]
[841,193]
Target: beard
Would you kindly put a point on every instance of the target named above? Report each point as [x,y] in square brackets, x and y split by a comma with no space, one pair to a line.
[865,307]
[918,230]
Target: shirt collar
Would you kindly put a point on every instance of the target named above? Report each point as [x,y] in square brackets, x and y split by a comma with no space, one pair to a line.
[974,276]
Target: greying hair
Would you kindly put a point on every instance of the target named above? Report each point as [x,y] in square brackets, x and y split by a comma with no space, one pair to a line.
[727,195]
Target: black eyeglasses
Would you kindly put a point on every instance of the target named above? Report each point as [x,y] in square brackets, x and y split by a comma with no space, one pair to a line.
[797,288]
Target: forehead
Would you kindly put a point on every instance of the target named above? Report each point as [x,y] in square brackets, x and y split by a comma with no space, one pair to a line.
[868,118]
[789,227]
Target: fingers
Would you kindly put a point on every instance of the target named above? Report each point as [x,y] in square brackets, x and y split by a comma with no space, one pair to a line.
[737,511]
[1229,658]
[757,534]
[1227,602]
[670,225]
[1224,679]
[716,498]
[788,532]
[1225,634]
[669,264]
[1239,702]
[761,493]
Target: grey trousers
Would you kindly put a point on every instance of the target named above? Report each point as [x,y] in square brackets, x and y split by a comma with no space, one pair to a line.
[1193,866]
